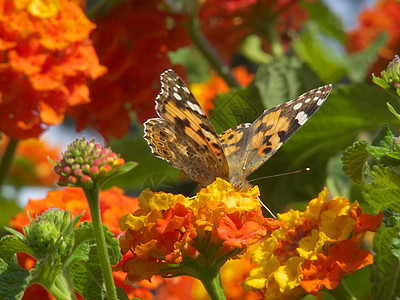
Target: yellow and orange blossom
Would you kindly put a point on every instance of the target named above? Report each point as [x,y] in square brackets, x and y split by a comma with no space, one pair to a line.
[313,249]
[170,229]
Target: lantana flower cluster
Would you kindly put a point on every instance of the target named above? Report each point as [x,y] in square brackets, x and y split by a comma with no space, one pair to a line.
[313,249]
[168,229]
[86,163]
[46,58]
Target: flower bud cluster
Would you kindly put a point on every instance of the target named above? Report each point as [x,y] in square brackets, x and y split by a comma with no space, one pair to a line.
[86,163]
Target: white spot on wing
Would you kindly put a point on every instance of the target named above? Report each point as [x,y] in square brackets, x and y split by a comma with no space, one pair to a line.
[320,101]
[301,118]
[186,89]
[297,106]
[175,89]
[177,96]
[307,100]
[195,107]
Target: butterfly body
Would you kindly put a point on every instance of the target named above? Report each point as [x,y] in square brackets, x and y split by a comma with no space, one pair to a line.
[183,134]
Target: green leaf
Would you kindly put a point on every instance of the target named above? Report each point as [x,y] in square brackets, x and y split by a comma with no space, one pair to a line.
[384,138]
[358,64]
[385,272]
[331,64]
[122,295]
[239,106]
[392,219]
[354,161]
[10,245]
[326,19]
[284,79]
[313,48]
[13,280]
[86,270]
[393,111]
[384,190]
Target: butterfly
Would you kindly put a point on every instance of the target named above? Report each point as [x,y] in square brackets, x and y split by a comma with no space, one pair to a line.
[184,137]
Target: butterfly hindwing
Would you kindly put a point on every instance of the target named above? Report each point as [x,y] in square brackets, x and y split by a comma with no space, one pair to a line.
[191,143]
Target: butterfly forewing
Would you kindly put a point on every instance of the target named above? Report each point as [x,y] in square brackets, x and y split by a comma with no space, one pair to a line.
[276,125]
[190,142]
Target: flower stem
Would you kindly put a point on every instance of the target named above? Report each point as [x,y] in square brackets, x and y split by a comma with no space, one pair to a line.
[208,51]
[212,283]
[7,160]
[62,288]
[92,196]
[341,292]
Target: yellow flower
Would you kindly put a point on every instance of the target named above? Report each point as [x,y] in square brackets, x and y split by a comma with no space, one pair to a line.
[308,252]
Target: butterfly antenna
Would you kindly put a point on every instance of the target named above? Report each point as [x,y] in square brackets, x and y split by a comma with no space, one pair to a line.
[266,208]
[281,174]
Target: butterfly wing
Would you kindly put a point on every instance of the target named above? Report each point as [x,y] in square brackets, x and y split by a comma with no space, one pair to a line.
[183,135]
[252,145]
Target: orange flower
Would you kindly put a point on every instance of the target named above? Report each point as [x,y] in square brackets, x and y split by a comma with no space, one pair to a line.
[173,229]
[113,205]
[384,17]
[133,41]
[313,249]
[46,59]
[31,165]
[227,23]
[205,92]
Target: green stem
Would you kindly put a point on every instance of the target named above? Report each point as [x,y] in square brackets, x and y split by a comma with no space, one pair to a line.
[213,285]
[208,51]
[7,160]
[92,196]
[62,289]
[341,292]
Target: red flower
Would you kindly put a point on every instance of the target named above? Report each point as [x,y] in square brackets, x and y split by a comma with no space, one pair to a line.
[384,17]
[227,23]
[46,59]
[133,41]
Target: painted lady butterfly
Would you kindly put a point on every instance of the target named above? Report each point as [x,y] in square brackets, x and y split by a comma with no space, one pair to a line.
[183,134]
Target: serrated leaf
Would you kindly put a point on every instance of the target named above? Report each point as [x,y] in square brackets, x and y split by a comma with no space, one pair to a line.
[385,272]
[84,234]
[86,273]
[10,245]
[354,161]
[384,190]
[384,138]
[87,276]
[13,280]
